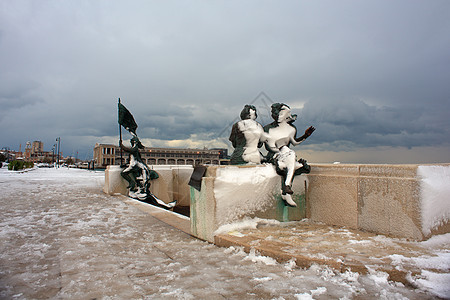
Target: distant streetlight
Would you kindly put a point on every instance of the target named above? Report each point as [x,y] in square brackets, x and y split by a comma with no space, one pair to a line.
[53,154]
[58,149]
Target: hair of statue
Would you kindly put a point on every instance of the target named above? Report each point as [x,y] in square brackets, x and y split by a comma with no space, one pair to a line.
[245,113]
[135,140]
[276,108]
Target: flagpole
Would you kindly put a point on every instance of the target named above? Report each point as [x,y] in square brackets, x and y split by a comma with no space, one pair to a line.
[120,142]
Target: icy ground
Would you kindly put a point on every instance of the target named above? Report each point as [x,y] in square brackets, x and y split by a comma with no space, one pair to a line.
[62,238]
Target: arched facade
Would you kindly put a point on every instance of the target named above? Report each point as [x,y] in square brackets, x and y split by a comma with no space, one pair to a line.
[158,156]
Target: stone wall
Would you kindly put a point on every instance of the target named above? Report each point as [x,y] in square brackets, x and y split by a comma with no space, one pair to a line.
[407,201]
[385,199]
[378,198]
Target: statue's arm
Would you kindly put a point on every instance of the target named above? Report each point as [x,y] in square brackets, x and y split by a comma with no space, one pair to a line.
[263,139]
[124,148]
[234,134]
[270,146]
[308,132]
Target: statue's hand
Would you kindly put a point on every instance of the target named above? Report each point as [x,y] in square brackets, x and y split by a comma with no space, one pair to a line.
[309,131]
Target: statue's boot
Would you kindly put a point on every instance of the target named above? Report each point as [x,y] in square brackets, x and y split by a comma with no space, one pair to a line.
[285,188]
[288,200]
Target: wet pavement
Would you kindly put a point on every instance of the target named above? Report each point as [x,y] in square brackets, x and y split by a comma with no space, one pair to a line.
[343,249]
[63,238]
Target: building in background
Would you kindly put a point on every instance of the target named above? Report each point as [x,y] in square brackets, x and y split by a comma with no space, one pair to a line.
[37,147]
[105,154]
[223,156]
[34,152]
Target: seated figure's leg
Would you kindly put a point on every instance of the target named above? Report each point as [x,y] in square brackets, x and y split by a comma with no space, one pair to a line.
[282,170]
[288,181]
[285,188]
[287,163]
[133,182]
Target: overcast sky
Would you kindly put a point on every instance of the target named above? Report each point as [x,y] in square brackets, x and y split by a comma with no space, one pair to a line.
[372,76]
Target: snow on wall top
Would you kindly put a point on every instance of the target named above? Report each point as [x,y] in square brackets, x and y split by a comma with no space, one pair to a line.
[242,191]
[435,196]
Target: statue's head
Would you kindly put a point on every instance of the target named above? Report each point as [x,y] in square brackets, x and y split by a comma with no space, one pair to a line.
[282,113]
[249,112]
[135,141]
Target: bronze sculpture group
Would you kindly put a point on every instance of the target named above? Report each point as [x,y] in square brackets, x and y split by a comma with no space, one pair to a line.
[247,136]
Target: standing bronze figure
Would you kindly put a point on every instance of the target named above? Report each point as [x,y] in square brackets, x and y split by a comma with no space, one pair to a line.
[137,173]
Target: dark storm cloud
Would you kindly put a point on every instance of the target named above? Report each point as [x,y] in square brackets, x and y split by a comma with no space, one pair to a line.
[175,121]
[15,102]
[370,72]
[16,94]
[350,123]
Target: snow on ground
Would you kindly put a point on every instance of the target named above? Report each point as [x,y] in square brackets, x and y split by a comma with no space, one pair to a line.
[246,223]
[63,238]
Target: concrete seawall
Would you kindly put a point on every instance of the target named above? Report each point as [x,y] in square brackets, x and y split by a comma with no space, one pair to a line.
[384,199]
[407,201]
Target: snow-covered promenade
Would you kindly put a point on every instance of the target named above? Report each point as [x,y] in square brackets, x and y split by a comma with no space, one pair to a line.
[63,238]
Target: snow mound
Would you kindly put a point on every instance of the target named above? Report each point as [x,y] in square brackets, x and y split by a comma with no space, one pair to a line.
[435,195]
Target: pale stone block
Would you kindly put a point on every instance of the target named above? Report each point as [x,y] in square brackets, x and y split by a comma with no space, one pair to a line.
[181,189]
[203,211]
[333,199]
[231,193]
[390,206]
[278,210]
[114,182]
[162,187]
